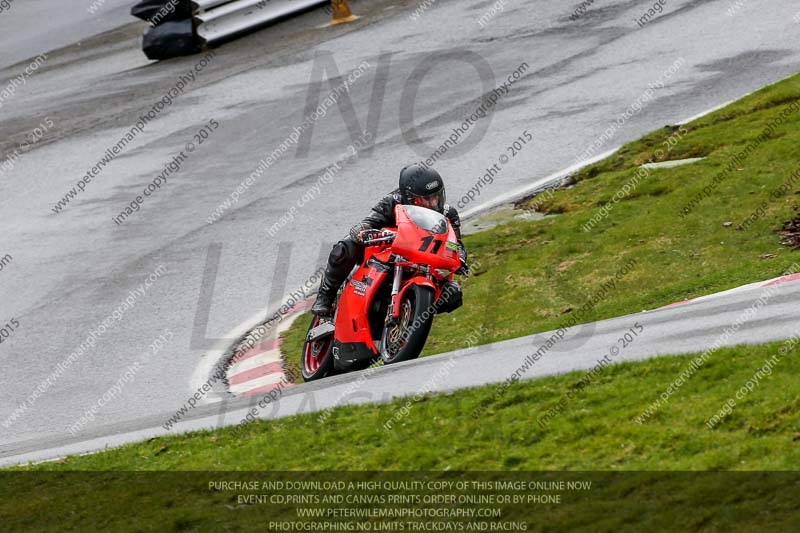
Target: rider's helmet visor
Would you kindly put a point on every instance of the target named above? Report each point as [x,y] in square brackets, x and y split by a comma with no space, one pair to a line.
[433,201]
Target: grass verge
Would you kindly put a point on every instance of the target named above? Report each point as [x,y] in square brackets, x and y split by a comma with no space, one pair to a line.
[598,431]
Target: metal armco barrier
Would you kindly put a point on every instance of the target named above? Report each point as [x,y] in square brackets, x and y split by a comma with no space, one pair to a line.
[216,21]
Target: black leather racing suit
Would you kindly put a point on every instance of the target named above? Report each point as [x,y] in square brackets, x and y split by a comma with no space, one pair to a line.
[348,252]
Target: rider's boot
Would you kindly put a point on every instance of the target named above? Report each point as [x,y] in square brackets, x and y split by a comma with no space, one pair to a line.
[327,294]
[344,256]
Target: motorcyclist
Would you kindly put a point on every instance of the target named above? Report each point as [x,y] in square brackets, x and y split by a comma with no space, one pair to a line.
[418,186]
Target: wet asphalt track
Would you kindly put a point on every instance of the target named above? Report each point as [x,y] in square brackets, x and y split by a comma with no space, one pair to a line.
[30,27]
[71,270]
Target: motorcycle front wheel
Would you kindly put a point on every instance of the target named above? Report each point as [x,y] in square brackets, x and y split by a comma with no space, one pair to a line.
[317,361]
[403,338]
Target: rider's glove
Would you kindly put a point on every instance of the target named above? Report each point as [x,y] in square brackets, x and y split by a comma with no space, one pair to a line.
[367,235]
[463,270]
[358,228]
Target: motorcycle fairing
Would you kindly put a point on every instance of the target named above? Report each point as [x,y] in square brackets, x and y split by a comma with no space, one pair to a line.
[351,322]
[425,246]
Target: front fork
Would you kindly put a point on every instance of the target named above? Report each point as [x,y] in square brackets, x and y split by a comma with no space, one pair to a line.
[394,304]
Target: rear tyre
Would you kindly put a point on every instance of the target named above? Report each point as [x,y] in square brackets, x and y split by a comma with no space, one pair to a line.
[404,338]
[317,360]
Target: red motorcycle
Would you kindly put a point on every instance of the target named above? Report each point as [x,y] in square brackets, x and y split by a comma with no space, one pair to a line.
[386,306]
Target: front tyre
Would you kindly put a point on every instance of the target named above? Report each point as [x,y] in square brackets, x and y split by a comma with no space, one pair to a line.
[317,361]
[404,338]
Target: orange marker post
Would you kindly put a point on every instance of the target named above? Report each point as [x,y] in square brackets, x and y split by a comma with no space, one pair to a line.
[341,12]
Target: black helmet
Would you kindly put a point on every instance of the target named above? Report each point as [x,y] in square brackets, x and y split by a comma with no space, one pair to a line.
[423,187]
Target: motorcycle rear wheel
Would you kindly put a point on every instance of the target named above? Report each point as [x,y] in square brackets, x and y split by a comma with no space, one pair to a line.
[403,339]
[317,360]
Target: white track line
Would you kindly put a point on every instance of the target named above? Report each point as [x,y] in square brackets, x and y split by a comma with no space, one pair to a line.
[527,189]
[556,176]
[749,286]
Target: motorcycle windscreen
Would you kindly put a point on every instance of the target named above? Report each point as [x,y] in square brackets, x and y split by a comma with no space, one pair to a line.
[425,236]
[427,219]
